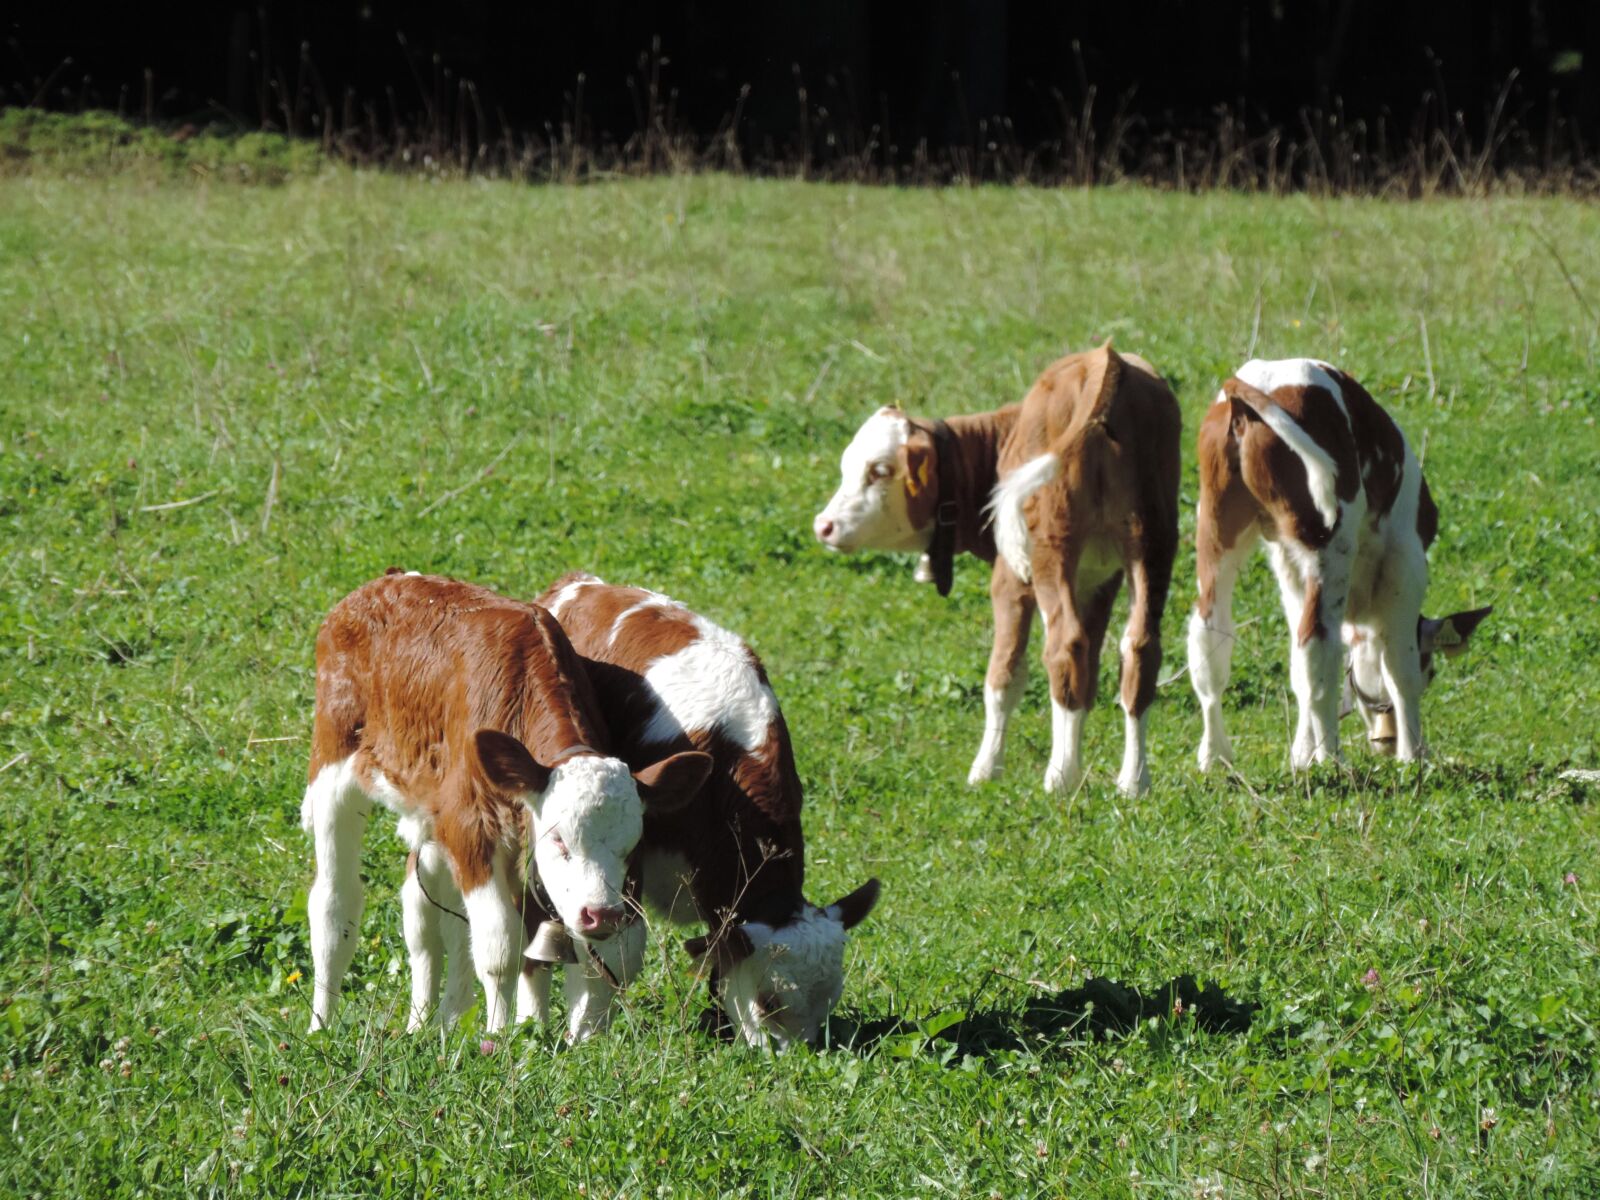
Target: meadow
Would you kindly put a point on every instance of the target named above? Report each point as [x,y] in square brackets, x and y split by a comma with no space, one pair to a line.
[222,407]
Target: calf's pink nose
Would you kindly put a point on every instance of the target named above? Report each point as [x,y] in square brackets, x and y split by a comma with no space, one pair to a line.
[597,920]
[823,528]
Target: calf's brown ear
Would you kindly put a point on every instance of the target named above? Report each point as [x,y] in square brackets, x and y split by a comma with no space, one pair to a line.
[851,910]
[1449,635]
[505,764]
[727,950]
[919,476]
[668,785]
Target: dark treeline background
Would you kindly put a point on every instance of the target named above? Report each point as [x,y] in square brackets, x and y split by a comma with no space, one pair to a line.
[809,78]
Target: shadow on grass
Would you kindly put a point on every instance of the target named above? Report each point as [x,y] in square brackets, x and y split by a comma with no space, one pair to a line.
[1101,1008]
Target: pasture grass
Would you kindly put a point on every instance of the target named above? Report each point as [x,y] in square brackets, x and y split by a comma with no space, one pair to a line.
[225,407]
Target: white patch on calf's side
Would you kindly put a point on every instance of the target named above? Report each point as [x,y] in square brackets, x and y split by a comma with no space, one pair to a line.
[711,684]
[1011,534]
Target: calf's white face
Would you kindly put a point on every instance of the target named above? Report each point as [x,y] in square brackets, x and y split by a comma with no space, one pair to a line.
[790,982]
[584,829]
[870,510]
[778,985]
[587,814]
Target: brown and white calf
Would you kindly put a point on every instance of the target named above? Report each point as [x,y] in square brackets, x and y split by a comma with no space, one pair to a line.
[470,716]
[1081,482]
[1297,453]
[733,857]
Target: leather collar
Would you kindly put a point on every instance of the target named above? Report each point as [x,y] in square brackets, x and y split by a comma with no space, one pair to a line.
[1373,704]
[942,549]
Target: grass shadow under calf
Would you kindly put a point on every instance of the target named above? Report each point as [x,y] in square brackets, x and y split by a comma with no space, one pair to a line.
[1101,1008]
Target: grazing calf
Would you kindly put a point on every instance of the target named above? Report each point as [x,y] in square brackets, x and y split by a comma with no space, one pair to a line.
[467,714]
[1081,480]
[1296,452]
[734,856]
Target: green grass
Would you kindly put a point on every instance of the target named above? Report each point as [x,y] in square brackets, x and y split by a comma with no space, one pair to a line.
[662,374]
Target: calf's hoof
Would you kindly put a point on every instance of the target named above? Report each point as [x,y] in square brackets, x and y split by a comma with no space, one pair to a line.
[983,771]
[1315,758]
[1134,785]
[1216,753]
[1061,780]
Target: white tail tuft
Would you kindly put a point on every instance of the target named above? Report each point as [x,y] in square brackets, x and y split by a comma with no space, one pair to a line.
[1011,534]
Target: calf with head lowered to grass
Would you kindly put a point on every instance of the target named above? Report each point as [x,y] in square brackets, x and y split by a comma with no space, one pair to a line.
[1296,453]
[470,716]
[1081,482]
[733,856]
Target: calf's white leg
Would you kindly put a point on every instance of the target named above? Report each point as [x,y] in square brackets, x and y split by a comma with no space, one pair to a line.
[1068,658]
[459,973]
[1007,677]
[496,931]
[1065,771]
[1211,643]
[1134,778]
[533,993]
[425,948]
[998,705]
[1402,678]
[1316,587]
[334,812]
[1148,581]
[1324,616]
[1299,583]
[1400,658]
[427,894]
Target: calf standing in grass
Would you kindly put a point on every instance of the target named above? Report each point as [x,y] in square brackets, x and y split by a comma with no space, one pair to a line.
[470,716]
[1081,480]
[1296,452]
[733,857]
